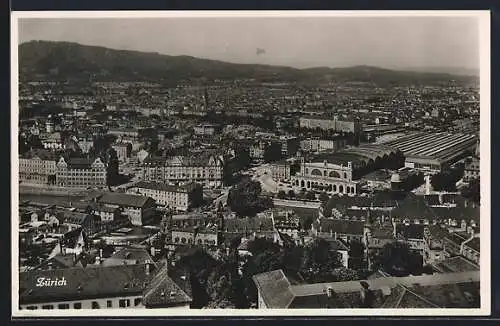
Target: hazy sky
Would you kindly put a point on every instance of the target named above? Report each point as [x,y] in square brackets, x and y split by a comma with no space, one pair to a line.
[396,42]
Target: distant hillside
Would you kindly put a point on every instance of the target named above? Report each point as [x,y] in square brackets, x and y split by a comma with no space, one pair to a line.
[65,60]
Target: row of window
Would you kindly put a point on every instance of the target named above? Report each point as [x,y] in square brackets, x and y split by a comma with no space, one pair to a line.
[122,303]
[308,184]
[190,241]
[428,166]
[183,175]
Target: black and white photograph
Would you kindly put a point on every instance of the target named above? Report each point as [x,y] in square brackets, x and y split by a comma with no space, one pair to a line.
[250,163]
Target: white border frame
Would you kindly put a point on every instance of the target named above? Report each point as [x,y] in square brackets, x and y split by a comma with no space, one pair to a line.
[485,272]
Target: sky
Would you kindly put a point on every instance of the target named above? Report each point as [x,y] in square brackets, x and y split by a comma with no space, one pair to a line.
[389,42]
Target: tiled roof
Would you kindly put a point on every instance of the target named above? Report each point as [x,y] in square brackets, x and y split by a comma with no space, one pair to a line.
[451,290]
[248,224]
[43,154]
[412,231]
[140,255]
[274,288]
[77,217]
[413,207]
[127,200]
[84,283]
[475,244]
[340,226]
[164,292]
[457,213]
[80,163]
[456,238]
[382,231]
[455,264]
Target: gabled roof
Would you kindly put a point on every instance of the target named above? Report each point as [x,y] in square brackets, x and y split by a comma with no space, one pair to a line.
[274,288]
[164,292]
[413,207]
[474,244]
[139,255]
[83,283]
[127,200]
[80,162]
[340,226]
[77,217]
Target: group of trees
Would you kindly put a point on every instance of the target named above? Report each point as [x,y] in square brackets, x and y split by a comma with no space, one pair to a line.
[272,153]
[413,181]
[245,198]
[239,162]
[260,122]
[446,181]
[303,195]
[29,142]
[473,191]
[227,282]
[398,259]
[316,262]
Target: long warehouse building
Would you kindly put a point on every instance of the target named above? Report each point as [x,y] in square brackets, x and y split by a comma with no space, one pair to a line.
[434,151]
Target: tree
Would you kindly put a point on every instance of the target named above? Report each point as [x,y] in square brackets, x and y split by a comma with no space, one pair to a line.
[281,194]
[245,198]
[260,245]
[112,171]
[398,259]
[302,193]
[291,194]
[356,255]
[473,191]
[306,222]
[323,197]
[272,153]
[319,255]
[310,195]
[447,180]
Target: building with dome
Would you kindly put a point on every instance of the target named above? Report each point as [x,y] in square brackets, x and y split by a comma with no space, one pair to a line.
[396,183]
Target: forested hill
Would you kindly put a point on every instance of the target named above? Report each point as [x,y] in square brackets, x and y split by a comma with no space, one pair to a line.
[45,60]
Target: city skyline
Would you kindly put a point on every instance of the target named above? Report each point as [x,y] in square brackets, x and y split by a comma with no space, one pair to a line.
[146,183]
[421,42]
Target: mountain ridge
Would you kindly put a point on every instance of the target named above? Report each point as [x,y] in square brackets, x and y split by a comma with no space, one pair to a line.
[59,60]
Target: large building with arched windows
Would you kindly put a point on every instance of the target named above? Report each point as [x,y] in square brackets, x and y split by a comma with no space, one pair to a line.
[326,176]
[340,172]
